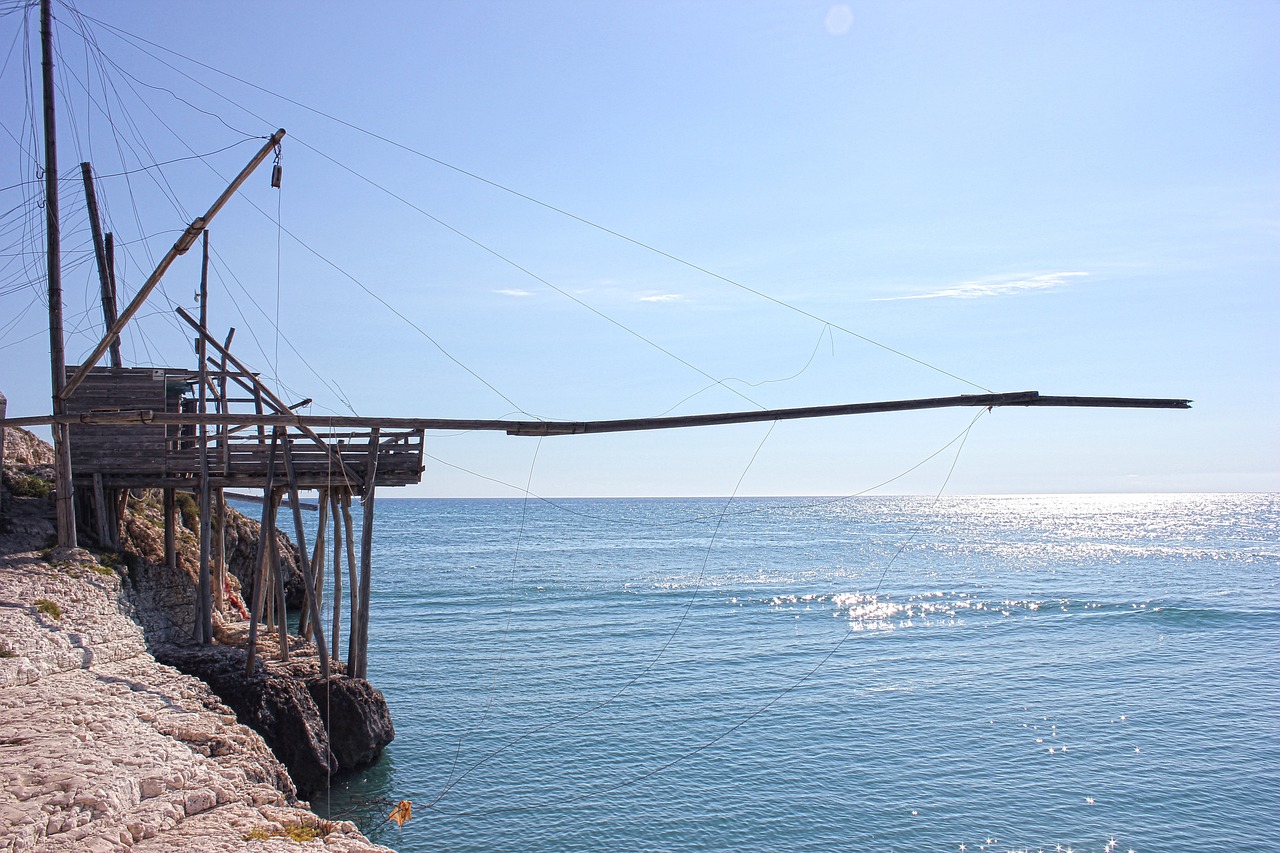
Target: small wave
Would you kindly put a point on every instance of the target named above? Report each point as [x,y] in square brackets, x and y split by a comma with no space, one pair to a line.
[885,612]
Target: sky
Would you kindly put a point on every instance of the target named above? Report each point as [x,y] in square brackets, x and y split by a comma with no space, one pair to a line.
[571,210]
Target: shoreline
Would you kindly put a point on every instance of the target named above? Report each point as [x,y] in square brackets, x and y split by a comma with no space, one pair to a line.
[104,748]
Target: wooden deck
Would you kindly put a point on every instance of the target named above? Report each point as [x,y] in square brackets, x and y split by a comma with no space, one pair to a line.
[159,455]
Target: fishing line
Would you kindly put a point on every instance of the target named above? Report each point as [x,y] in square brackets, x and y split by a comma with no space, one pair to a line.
[826,330]
[758,711]
[699,519]
[127,36]
[506,628]
[652,663]
[531,274]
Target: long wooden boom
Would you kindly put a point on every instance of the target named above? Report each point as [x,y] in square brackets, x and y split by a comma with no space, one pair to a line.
[547,428]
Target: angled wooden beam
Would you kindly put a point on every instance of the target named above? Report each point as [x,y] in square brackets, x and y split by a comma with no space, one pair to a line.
[179,248]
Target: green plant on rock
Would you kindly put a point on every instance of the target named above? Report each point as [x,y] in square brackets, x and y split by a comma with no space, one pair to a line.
[295,830]
[189,510]
[48,608]
[29,486]
[6,652]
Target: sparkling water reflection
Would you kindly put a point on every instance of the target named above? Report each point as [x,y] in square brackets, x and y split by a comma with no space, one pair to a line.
[1093,672]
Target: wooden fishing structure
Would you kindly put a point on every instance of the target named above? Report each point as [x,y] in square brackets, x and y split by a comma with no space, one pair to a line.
[217,425]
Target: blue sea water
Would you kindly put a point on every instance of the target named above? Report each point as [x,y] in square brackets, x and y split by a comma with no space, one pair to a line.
[877,673]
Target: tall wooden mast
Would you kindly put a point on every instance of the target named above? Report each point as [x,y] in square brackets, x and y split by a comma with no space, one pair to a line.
[57,354]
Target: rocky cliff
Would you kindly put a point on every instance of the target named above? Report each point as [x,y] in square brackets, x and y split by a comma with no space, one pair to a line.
[106,745]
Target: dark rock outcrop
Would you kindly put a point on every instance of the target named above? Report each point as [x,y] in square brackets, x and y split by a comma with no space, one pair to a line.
[357,717]
[284,702]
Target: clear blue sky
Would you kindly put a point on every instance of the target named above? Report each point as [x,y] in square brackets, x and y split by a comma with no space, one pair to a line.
[1076,198]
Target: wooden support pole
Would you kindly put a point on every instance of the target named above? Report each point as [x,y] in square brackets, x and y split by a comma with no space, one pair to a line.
[317,562]
[122,503]
[335,502]
[204,585]
[266,539]
[4,404]
[101,513]
[204,626]
[110,249]
[170,528]
[269,612]
[308,581]
[319,557]
[222,404]
[353,636]
[64,501]
[366,554]
[220,552]
[105,279]
[277,564]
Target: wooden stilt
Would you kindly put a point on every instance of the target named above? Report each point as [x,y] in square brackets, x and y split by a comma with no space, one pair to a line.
[122,503]
[317,564]
[170,528]
[204,596]
[64,494]
[223,431]
[269,617]
[220,552]
[266,538]
[335,502]
[100,512]
[310,604]
[112,500]
[366,555]
[353,637]
[204,587]
[282,604]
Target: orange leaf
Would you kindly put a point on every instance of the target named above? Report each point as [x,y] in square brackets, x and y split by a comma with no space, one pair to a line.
[402,812]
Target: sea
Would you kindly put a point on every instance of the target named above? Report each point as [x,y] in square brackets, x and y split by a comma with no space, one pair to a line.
[1049,673]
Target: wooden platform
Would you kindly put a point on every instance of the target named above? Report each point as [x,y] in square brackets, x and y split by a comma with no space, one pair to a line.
[157,455]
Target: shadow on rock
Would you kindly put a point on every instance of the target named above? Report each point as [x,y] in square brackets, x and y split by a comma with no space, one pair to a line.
[317,731]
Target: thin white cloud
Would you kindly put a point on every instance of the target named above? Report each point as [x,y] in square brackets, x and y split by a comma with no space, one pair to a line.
[514,291]
[995,287]
[663,297]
